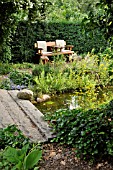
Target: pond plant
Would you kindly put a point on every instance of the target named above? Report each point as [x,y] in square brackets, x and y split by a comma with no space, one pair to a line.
[90,75]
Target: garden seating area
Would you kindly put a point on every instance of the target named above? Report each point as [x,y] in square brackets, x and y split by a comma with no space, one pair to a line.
[46,50]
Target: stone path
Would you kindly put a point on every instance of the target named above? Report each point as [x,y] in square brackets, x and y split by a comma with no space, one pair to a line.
[23,114]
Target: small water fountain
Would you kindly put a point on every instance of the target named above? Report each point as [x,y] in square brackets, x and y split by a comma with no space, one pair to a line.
[74,103]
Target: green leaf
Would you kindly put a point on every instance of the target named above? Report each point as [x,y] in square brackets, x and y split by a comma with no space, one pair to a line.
[22,152]
[24,149]
[19,165]
[36,168]
[32,158]
[11,154]
[101,133]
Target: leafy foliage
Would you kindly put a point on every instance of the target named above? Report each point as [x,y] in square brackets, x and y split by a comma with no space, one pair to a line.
[73,10]
[102,18]
[89,131]
[40,68]
[15,150]
[22,65]
[15,76]
[12,136]
[16,80]
[20,77]
[19,158]
[82,75]
[11,13]
[5,84]
[32,159]
[5,68]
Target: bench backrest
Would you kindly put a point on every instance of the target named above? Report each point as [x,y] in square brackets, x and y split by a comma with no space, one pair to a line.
[42,44]
[61,43]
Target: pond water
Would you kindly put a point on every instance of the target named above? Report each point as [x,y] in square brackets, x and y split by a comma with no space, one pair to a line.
[75,100]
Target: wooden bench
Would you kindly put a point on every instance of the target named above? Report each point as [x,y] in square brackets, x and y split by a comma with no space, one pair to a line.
[45,50]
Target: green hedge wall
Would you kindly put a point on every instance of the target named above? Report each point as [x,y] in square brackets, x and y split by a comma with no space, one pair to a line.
[28,33]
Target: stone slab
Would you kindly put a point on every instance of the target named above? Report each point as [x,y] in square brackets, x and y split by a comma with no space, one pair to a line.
[23,114]
[33,113]
[5,118]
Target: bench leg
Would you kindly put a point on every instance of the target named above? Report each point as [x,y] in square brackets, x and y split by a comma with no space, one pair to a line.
[44,59]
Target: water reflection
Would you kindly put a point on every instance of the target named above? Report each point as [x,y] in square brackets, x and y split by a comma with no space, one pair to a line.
[73,101]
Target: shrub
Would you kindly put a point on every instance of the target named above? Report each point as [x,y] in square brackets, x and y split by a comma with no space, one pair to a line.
[20,78]
[12,136]
[5,84]
[89,131]
[23,65]
[40,68]
[5,68]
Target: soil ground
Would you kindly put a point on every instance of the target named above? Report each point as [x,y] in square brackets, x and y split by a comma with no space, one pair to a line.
[61,157]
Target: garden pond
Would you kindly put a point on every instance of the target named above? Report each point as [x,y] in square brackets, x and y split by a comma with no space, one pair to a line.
[75,100]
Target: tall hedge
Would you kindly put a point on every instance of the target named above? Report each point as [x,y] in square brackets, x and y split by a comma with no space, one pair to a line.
[28,33]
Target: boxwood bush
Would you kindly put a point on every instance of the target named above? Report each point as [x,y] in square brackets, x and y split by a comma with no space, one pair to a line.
[73,33]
